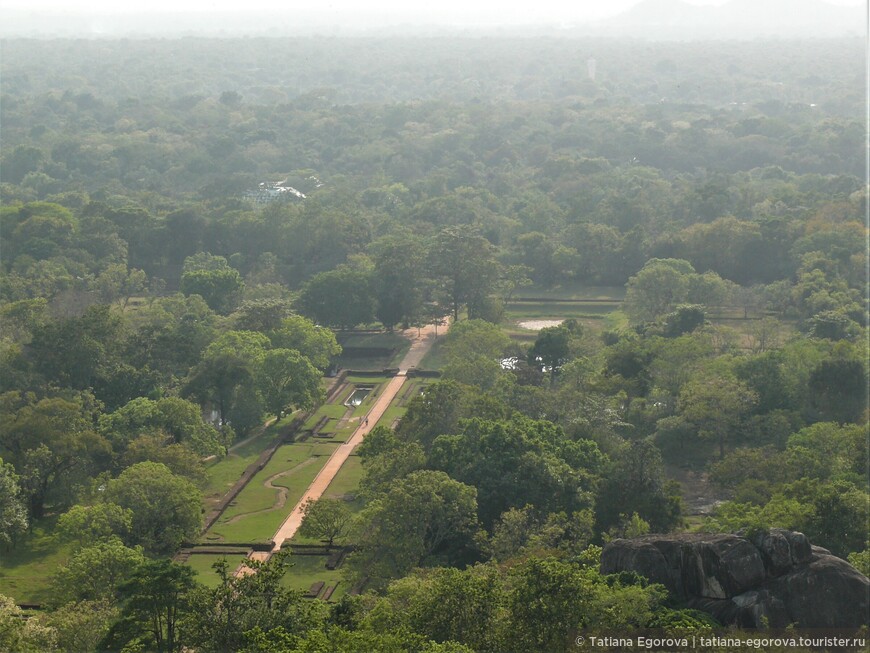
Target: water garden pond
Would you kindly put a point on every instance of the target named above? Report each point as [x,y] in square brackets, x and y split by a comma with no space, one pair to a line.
[357,396]
[537,325]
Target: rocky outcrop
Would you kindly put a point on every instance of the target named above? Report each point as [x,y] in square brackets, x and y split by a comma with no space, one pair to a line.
[775,579]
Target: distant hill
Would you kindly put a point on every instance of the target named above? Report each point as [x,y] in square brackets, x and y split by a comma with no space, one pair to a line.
[674,19]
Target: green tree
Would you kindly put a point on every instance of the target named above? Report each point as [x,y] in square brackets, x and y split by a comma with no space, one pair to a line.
[52,443]
[839,516]
[472,338]
[13,513]
[89,525]
[464,265]
[160,448]
[287,380]
[385,459]
[473,350]
[178,419]
[547,604]
[95,572]
[657,288]
[423,519]
[635,483]
[227,377]
[326,519]
[118,284]
[861,560]
[263,315]
[167,509]
[219,378]
[80,352]
[224,618]
[212,278]
[23,159]
[316,343]
[716,406]
[341,298]
[514,463]
[685,319]
[446,604]
[838,389]
[23,635]
[82,626]
[435,412]
[397,281]
[552,349]
[156,598]
[171,334]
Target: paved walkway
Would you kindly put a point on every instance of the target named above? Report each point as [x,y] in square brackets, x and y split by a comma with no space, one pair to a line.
[420,345]
[421,342]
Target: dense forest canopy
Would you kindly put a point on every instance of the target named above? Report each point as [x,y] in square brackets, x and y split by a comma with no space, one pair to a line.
[190,226]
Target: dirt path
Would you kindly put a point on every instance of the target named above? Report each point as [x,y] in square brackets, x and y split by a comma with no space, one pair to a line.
[420,345]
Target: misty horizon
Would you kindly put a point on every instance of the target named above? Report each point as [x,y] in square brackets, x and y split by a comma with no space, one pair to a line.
[651,19]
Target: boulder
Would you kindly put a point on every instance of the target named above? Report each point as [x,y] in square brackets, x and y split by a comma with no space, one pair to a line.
[713,566]
[781,549]
[827,592]
[775,578]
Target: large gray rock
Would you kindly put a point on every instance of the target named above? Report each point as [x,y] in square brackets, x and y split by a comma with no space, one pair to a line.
[781,550]
[827,592]
[776,579]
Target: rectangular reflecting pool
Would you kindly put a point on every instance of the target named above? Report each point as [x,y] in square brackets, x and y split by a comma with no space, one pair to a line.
[357,396]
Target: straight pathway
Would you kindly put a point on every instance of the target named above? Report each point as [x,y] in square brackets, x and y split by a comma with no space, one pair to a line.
[422,342]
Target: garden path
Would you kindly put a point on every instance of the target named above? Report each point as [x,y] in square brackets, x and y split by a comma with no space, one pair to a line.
[420,345]
[421,342]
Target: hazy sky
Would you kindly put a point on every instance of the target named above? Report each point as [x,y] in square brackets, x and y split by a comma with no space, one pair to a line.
[510,11]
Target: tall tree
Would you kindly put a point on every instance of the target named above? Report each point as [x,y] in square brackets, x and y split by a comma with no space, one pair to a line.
[177,418]
[13,513]
[340,298]
[212,278]
[53,444]
[228,616]
[635,483]
[167,509]
[423,518]
[464,265]
[95,572]
[716,406]
[397,281]
[325,518]
[657,288]
[552,349]
[316,343]
[287,380]
[156,598]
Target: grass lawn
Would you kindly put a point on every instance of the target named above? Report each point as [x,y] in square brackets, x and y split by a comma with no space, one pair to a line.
[583,303]
[434,358]
[201,564]
[573,291]
[253,514]
[558,310]
[26,570]
[379,343]
[376,339]
[373,380]
[332,411]
[223,473]
[348,478]
[304,571]
[309,569]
